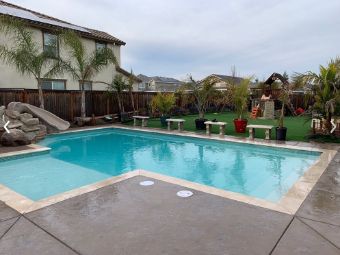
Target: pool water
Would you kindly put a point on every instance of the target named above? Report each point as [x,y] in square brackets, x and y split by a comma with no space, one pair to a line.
[81,158]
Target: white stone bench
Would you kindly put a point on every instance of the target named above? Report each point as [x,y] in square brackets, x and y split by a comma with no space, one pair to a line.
[209,125]
[268,129]
[180,123]
[144,120]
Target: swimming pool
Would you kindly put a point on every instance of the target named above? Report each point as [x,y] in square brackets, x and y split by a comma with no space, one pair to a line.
[81,158]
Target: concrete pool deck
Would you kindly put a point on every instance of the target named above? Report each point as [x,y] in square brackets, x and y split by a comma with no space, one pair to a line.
[126,218]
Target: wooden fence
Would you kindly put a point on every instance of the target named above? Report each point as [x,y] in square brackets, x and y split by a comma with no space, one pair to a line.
[66,103]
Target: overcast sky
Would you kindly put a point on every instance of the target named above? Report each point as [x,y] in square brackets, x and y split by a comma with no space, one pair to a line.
[178,37]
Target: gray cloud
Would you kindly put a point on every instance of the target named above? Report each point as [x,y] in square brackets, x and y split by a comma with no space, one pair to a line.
[174,38]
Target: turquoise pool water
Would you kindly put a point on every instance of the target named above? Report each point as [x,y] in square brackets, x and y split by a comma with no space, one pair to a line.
[82,158]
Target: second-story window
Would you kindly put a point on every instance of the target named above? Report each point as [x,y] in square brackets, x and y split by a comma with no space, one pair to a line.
[100,46]
[51,44]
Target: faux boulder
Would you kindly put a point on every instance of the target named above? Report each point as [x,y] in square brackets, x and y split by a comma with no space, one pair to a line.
[14,138]
[23,128]
[51,121]
[28,124]
[12,114]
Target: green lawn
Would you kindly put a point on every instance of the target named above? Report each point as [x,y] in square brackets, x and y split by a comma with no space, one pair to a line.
[298,128]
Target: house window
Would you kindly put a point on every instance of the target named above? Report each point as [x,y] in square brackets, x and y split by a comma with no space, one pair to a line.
[141,86]
[87,85]
[51,44]
[54,84]
[100,46]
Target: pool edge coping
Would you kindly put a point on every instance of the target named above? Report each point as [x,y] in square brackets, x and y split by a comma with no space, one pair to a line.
[288,204]
[33,148]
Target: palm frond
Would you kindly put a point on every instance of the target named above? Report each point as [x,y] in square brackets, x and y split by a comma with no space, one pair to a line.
[60,67]
[75,48]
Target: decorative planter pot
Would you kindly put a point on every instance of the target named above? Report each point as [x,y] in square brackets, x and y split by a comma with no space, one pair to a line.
[200,124]
[240,125]
[163,120]
[124,117]
[281,133]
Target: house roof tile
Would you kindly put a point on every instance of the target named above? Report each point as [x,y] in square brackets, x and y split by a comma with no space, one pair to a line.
[38,19]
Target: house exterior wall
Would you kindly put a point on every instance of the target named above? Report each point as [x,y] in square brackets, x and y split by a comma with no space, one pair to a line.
[159,86]
[221,84]
[170,87]
[11,78]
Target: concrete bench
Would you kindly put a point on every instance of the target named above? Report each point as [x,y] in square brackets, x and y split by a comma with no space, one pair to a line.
[268,129]
[180,123]
[209,125]
[144,120]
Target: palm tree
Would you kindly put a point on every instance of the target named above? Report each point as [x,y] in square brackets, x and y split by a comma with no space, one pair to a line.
[202,92]
[25,54]
[130,88]
[117,86]
[325,89]
[82,66]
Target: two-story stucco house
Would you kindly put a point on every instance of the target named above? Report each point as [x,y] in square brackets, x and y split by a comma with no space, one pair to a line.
[224,81]
[45,30]
[157,83]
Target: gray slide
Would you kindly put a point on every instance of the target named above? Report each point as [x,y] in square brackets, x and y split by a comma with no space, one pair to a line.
[52,121]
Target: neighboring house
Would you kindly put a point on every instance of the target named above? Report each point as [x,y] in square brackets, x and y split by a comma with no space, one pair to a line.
[223,81]
[127,75]
[45,31]
[157,83]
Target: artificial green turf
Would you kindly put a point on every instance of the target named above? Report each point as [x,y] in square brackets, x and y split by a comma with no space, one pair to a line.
[298,128]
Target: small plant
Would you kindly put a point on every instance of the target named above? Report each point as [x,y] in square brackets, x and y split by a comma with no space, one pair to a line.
[163,103]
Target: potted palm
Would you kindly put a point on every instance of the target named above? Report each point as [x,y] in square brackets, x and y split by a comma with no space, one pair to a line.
[163,103]
[202,91]
[241,94]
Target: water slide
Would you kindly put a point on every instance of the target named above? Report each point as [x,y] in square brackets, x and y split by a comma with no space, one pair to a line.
[53,122]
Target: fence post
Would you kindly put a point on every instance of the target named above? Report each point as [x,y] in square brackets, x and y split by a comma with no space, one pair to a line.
[71,105]
[24,96]
[107,106]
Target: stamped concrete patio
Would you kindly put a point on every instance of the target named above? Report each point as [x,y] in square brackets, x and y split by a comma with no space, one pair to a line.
[126,218]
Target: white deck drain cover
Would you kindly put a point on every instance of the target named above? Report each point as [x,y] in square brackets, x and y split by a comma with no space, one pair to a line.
[184,193]
[146,183]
